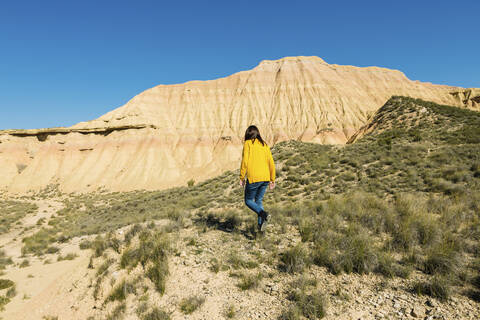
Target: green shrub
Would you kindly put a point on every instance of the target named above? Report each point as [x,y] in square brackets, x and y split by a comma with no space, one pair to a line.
[311,306]
[142,307]
[237,262]
[25,263]
[214,265]
[69,256]
[229,312]
[346,176]
[388,267]
[152,247]
[437,287]
[132,232]
[4,260]
[156,314]
[104,267]
[118,312]
[85,244]
[52,249]
[121,291]
[302,282]
[249,281]
[190,304]
[354,251]
[475,168]
[291,313]
[294,259]
[306,227]
[12,211]
[3,301]
[158,273]
[359,254]
[39,242]
[5,283]
[442,259]
[99,245]
[12,292]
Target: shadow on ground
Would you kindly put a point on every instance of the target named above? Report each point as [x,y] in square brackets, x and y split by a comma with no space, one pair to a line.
[229,224]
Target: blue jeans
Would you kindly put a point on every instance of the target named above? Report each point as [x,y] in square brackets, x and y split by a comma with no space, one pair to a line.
[254,193]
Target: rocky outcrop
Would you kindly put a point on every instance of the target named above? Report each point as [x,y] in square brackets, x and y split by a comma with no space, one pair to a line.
[470,98]
[170,134]
[42,134]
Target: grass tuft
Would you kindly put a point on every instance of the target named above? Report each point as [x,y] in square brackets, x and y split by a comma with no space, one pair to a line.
[190,304]
[436,287]
[295,259]
[156,314]
[249,281]
[6,283]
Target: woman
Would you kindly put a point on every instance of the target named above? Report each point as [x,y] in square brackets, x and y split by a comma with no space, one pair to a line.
[259,168]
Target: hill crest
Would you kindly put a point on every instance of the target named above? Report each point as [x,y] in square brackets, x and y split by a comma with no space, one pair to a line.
[170,134]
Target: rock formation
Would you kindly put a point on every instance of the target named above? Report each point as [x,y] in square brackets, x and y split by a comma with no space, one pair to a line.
[170,134]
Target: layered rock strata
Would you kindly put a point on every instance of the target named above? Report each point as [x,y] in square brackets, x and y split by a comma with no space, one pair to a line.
[170,134]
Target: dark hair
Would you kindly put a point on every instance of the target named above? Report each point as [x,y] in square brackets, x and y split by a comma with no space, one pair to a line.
[253,133]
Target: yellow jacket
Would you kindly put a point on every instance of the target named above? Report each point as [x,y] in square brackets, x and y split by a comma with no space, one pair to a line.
[257,162]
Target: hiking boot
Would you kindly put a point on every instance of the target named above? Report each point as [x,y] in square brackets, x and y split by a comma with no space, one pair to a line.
[265,218]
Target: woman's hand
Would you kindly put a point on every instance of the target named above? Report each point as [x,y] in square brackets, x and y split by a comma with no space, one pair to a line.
[242,182]
[272,185]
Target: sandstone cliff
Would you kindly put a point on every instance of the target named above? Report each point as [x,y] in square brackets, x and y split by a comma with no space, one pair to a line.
[172,133]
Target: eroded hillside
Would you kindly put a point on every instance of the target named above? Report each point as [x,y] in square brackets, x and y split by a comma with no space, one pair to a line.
[170,134]
[386,227]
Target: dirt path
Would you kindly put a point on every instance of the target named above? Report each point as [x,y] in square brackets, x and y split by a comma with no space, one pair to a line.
[43,287]
[52,289]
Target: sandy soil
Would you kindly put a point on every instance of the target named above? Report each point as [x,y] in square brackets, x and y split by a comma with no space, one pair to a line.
[64,288]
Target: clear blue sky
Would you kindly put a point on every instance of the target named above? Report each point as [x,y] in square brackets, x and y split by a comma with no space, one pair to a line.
[62,62]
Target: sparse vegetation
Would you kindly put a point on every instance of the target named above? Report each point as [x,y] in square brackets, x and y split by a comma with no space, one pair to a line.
[249,281]
[230,312]
[12,211]
[118,312]
[156,314]
[25,263]
[4,260]
[11,292]
[39,242]
[68,256]
[311,305]
[121,291]
[402,201]
[85,244]
[437,287]
[147,248]
[294,259]
[190,304]
[3,301]
[104,267]
[151,253]
[5,283]
[214,265]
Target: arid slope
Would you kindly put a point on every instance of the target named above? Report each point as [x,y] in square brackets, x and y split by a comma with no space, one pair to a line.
[170,134]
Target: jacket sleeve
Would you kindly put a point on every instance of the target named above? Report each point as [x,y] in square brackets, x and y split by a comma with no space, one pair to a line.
[243,165]
[271,164]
